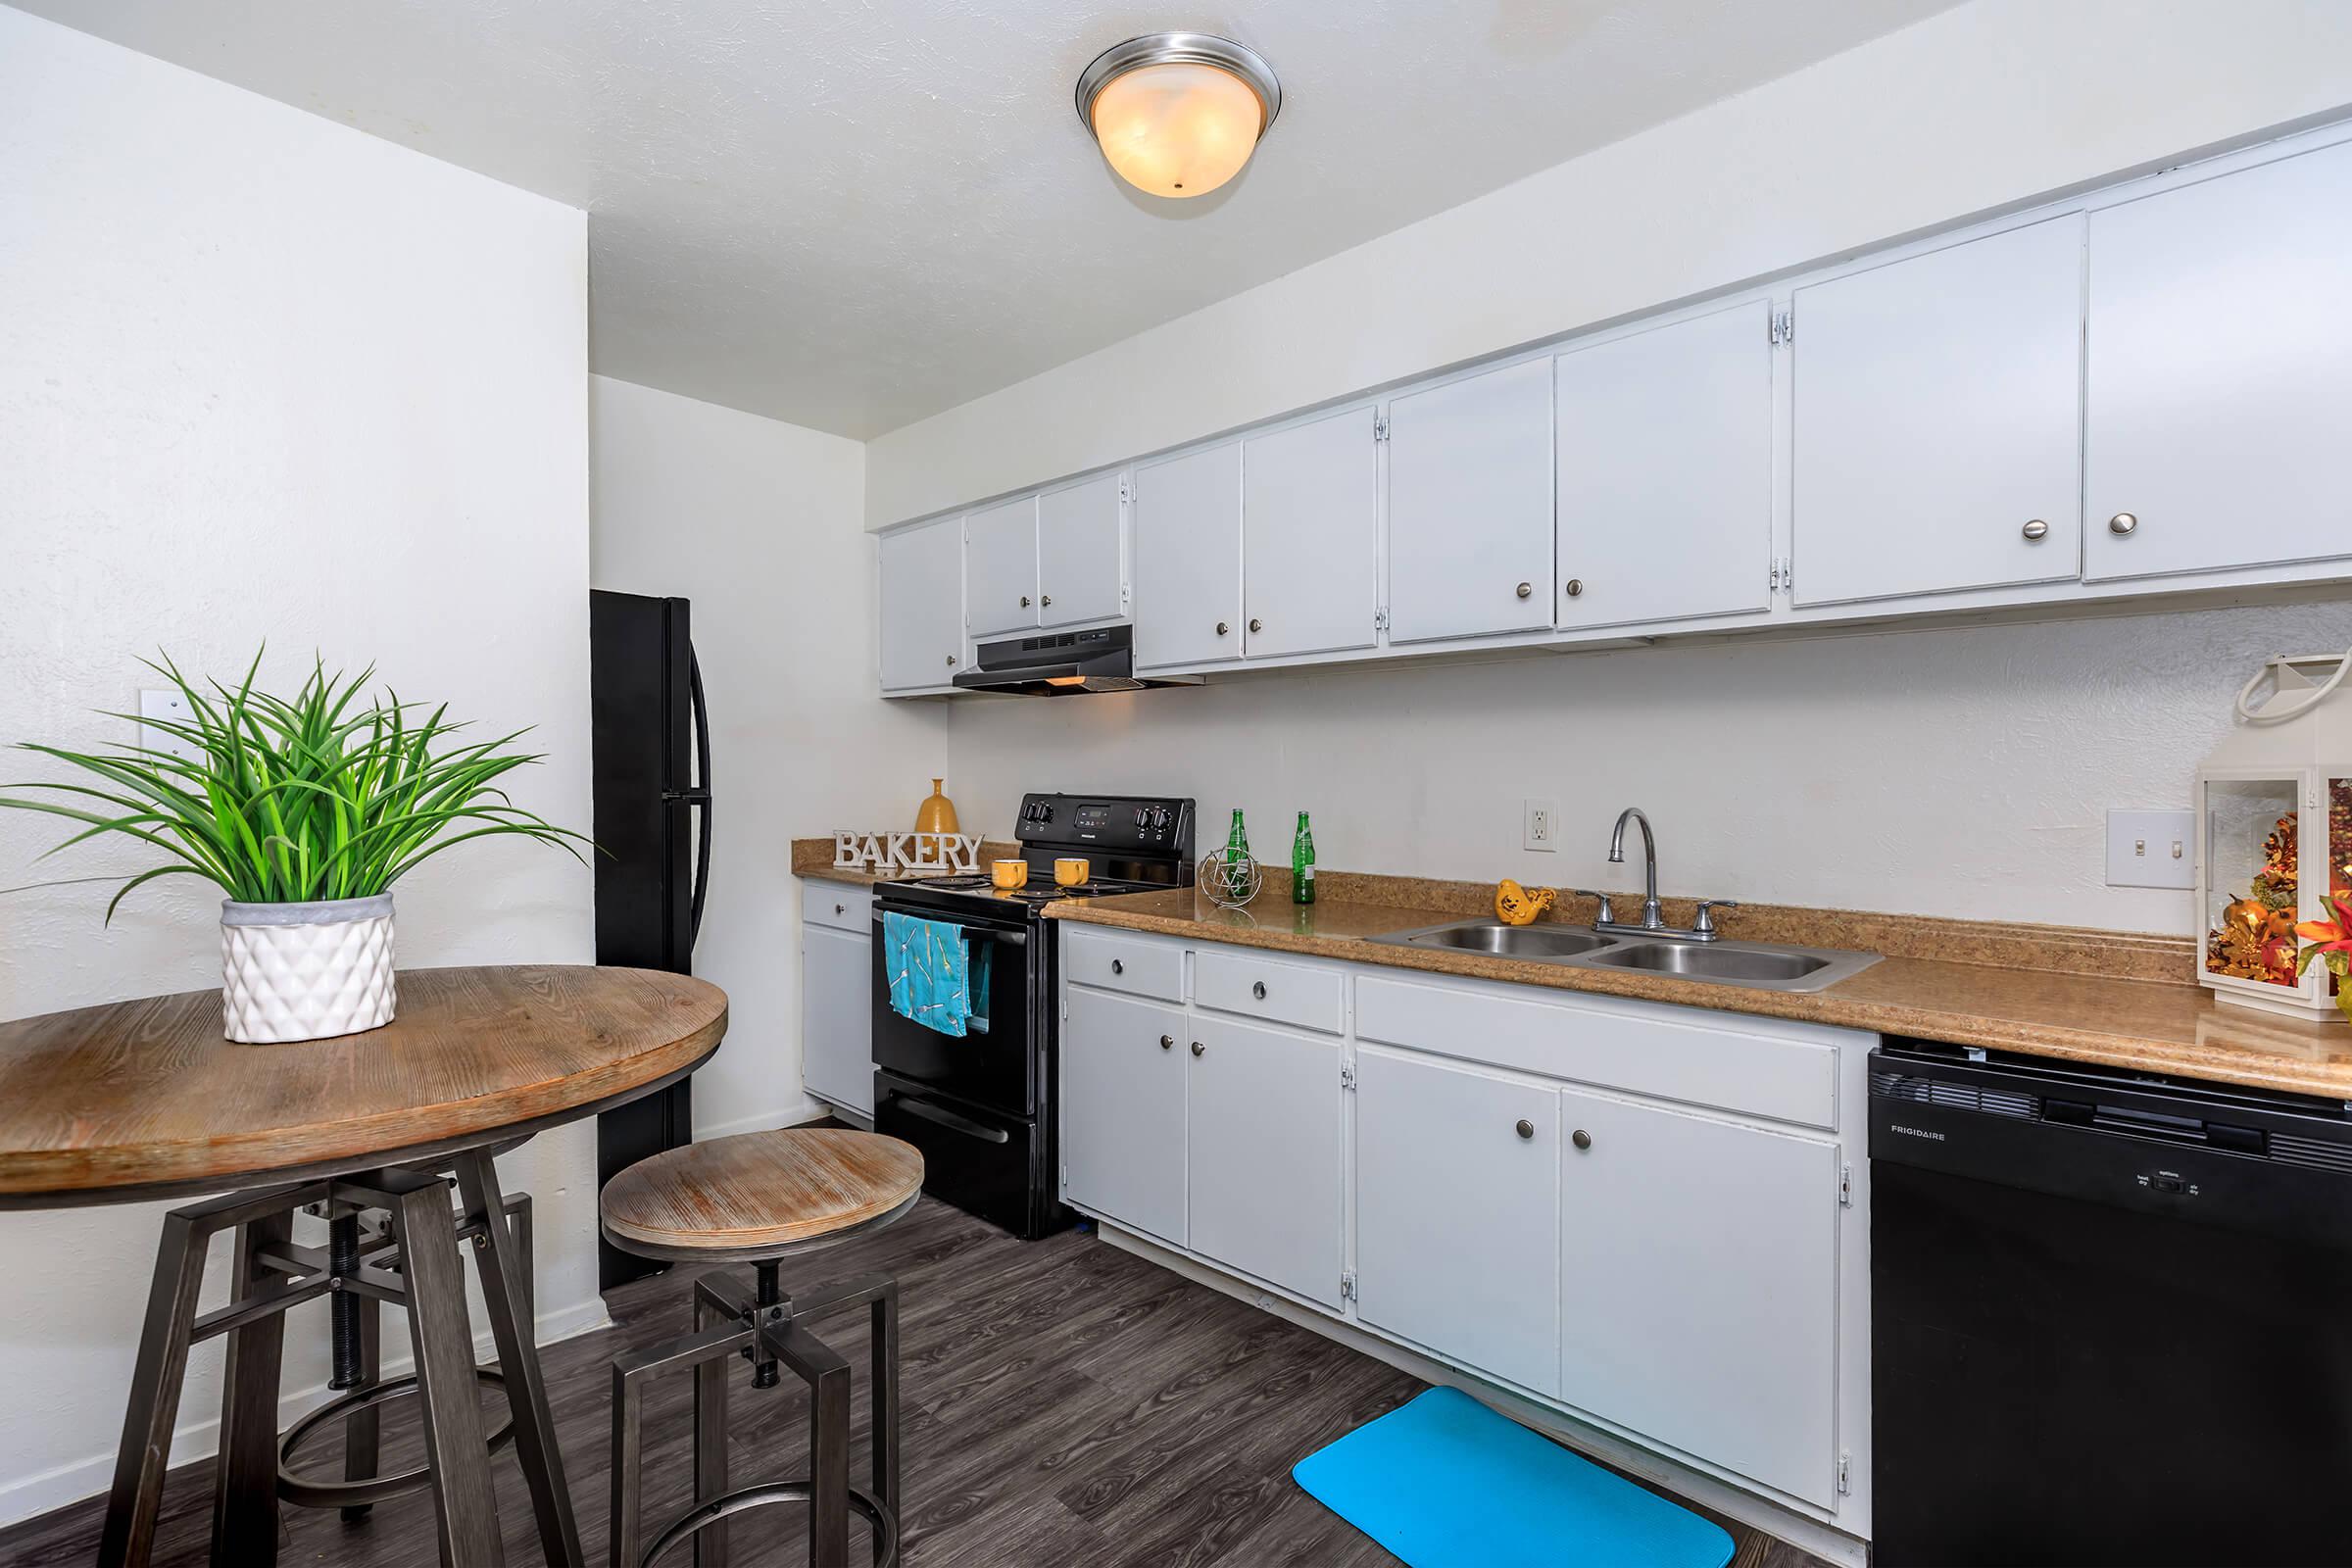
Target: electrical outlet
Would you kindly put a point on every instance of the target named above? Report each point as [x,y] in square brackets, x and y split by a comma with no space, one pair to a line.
[1539,825]
[171,706]
[2152,849]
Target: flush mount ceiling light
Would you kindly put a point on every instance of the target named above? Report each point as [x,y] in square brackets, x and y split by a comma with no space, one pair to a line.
[1178,114]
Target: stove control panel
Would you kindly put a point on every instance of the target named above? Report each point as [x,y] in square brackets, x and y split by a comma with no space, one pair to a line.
[1142,824]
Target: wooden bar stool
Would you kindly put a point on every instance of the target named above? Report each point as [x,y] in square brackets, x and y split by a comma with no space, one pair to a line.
[757,1198]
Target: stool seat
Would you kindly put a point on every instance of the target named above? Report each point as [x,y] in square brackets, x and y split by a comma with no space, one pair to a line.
[760,1195]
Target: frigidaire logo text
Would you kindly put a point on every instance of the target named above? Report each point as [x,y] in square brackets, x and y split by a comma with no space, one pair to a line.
[1913,1132]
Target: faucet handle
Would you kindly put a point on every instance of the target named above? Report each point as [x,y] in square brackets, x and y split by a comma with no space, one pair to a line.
[1702,924]
[1606,915]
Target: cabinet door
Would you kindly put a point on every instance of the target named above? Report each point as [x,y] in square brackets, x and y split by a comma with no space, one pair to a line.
[1937,408]
[1698,1294]
[1081,554]
[922,605]
[2220,346]
[1470,506]
[837,1016]
[1467,1265]
[1000,555]
[1665,472]
[1122,1110]
[1186,522]
[1310,537]
[1262,1134]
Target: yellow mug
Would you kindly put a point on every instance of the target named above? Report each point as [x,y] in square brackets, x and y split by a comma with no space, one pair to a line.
[1069,871]
[1009,874]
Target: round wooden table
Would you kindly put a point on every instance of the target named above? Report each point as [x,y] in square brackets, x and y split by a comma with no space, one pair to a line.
[143,1100]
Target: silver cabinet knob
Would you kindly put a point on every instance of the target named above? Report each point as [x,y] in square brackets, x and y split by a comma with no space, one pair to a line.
[2122,522]
[1526,589]
[2035,531]
[951,658]
[1527,1129]
[1258,991]
[1199,1048]
[1024,601]
[840,909]
[1168,1042]
[1045,602]
[1582,1139]
[1222,628]
[1118,967]
[1575,586]
[1257,625]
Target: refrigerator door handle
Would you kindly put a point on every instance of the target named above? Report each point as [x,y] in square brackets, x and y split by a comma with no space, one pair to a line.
[700,797]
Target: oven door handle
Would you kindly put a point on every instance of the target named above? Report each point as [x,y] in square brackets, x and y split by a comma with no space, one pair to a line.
[1018,938]
[952,1122]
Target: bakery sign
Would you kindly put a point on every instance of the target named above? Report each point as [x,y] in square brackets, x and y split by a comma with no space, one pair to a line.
[896,854]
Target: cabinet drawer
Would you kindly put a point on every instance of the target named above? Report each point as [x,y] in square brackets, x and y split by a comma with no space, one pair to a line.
[1681,1053]
[1232,980]
[1137,966]
[837,905]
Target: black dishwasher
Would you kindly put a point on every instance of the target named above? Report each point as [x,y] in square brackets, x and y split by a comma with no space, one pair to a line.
[2111,1317]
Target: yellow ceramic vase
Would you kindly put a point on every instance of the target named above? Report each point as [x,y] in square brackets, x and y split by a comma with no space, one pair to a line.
[936,813]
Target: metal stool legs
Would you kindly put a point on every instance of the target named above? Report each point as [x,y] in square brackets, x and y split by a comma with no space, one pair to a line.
[766,1328]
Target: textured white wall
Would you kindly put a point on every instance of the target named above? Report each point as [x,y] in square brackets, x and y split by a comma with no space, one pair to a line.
[1974,110]
[265,377]
[755,521]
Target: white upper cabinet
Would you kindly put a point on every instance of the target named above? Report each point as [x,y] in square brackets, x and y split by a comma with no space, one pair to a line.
[1665,472]
[922,605]
[1936,408]
[1187,519]
[1000,555]
[2219,402]
[1311,531]
[1081,553]
[1470,506]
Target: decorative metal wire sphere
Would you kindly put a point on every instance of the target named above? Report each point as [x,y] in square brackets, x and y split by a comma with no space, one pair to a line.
[1229,884]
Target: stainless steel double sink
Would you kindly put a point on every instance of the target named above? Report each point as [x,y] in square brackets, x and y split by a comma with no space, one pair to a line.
[1761,965]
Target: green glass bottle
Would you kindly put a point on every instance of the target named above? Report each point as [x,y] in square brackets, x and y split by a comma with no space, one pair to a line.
[1302,863]
[1237,854]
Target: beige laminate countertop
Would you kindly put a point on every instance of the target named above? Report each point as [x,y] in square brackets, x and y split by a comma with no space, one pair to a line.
[2145,1025]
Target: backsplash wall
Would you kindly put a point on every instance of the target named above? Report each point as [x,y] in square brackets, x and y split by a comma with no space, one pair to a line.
[1964,772]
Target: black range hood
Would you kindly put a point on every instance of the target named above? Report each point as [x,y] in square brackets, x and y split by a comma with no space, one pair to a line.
[1062,665]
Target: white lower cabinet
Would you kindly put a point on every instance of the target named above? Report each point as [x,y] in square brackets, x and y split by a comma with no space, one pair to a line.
[1699,1286]
[1262,1154]
[1457,1198]
[1123,1112]
[837,1016]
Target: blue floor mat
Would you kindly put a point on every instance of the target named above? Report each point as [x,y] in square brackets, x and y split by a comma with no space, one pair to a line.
[1444,1482]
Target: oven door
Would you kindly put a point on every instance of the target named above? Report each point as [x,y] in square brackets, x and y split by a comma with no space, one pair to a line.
[994,1065]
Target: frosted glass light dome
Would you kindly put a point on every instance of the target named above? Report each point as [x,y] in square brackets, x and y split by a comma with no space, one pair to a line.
[1178,114]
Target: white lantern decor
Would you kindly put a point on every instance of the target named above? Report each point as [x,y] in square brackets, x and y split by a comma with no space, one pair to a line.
[2275,837]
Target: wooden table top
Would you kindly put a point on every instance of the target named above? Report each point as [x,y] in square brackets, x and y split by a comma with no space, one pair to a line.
[138,1100]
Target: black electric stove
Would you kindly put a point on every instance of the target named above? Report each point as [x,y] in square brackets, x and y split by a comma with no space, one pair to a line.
[981,1107]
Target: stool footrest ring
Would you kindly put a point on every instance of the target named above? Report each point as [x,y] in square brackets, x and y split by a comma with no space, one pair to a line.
[885,1523]
[307,1491]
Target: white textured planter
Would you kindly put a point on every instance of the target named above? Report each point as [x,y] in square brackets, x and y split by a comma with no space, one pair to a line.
[304,972]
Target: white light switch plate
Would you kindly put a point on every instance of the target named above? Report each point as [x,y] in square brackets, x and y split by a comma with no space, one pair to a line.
[1539,825]
[2152,849]
[164,704]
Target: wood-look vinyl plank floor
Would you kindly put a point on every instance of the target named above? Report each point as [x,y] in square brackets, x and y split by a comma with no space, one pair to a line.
[1066,1402]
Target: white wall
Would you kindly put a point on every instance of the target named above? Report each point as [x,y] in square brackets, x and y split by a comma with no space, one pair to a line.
[755,521]
[1974,110]
[265,377]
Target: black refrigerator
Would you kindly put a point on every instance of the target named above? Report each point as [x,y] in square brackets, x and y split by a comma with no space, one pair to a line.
[652,747]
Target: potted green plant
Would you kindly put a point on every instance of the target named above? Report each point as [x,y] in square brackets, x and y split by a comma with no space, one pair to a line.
[305,811]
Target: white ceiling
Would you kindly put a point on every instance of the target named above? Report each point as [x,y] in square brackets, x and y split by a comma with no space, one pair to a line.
[852,214]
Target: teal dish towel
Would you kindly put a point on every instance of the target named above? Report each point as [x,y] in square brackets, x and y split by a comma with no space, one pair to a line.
[931,978]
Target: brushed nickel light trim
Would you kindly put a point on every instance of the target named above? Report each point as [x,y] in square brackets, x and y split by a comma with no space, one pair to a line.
[1235,60]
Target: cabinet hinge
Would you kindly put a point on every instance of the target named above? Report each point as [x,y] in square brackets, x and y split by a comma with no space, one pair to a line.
[1845,1187]
[1380,618]
[1346,1076]
[1781,575]
[1126,490]
[1348,1286]
[1845,1472]
[1783,327]
[1380,427]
